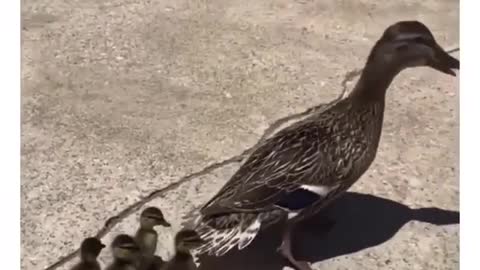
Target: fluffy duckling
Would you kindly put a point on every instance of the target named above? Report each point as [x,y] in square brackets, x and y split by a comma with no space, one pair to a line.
[126,253]
[89,251]
[146,237]
[185,241]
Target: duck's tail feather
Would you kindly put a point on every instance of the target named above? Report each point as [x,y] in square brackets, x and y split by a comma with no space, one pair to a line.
[223,233]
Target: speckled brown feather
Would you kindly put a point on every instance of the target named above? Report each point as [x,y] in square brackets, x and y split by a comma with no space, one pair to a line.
[329,148]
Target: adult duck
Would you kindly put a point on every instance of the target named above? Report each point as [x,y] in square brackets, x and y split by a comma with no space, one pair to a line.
[306,166]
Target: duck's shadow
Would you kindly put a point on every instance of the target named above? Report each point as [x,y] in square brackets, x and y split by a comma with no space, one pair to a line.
[361,221]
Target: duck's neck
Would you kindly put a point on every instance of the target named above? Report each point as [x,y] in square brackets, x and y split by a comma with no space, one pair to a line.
[146,227]
[88,258]
[373,83]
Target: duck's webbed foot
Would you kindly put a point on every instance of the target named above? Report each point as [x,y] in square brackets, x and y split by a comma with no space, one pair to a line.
[285,249]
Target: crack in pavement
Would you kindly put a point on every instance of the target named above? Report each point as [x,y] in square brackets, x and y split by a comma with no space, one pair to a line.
[271,129]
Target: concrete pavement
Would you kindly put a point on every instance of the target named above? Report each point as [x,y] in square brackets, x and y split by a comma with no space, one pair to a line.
[134,103]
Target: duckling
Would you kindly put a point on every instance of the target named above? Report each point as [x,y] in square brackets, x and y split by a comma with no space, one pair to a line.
[306,166]
[146,237]
[126,253]
[185,241]
[89,251]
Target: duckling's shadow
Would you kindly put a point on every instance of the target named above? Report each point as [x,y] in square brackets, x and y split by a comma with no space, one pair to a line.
[361,221]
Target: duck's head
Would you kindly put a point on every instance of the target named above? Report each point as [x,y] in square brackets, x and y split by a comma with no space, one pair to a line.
[186,240]
[91,248]
[152,216]
[125,248]
[411,44]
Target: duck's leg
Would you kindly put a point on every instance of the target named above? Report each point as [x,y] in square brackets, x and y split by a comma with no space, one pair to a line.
[286,248]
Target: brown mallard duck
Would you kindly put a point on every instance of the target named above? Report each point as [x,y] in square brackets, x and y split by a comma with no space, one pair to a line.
[304,167]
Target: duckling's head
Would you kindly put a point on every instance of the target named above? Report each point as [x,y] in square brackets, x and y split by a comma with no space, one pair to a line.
[152,216]
[125,248]
[186,240]
[91,248]
[411,44]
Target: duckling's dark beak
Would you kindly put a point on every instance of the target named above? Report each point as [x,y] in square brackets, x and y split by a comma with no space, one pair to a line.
[444,62]
[102,246]
[164,223]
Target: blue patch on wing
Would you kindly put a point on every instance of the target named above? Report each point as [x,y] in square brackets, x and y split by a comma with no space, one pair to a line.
[298,199]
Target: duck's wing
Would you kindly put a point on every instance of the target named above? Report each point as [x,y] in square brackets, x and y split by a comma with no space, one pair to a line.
[292,169]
